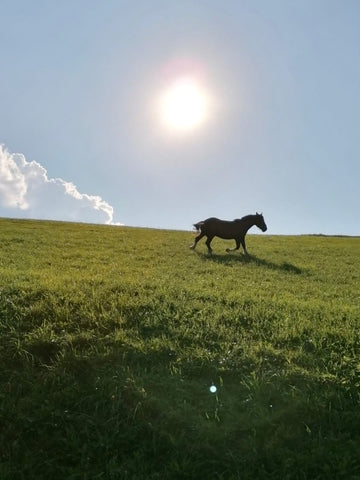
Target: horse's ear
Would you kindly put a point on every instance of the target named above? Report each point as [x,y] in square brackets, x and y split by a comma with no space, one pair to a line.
[257,213]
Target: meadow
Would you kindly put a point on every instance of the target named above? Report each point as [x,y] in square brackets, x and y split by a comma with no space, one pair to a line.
[111,338]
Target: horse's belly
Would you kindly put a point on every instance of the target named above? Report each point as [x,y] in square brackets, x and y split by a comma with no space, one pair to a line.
[225,236]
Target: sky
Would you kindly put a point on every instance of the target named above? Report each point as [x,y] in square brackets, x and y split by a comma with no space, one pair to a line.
[161,113]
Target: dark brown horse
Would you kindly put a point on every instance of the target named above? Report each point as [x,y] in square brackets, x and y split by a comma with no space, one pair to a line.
[237,229]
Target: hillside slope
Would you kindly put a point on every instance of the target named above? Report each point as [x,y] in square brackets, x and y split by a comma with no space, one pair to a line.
[111,338]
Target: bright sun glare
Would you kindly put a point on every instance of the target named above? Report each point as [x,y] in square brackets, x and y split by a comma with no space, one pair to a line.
[184,105]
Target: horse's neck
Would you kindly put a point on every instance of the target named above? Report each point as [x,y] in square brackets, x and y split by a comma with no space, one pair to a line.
[248,223]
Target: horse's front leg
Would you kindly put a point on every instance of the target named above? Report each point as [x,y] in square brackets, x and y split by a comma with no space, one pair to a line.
[244,245]
[237,240]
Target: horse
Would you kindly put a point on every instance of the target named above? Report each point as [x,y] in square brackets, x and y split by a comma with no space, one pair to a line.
[236,229]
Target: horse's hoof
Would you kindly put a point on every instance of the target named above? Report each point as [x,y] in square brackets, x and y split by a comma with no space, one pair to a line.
[192,247]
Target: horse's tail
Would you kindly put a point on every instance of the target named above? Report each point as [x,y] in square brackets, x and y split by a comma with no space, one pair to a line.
[198,226]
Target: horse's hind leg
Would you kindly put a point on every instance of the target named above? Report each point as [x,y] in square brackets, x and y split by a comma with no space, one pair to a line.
[208,242]
[199,237]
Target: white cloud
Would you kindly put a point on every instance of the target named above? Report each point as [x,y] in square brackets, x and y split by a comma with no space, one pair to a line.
[27,192]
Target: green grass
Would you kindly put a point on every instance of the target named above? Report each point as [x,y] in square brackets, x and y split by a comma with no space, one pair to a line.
[111,338]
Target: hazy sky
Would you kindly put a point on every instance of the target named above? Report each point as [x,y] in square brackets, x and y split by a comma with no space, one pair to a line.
[84,135]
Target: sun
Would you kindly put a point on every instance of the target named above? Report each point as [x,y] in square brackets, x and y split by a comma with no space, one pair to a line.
[184,105]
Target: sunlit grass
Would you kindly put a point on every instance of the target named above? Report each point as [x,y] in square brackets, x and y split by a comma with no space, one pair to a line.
[112,337]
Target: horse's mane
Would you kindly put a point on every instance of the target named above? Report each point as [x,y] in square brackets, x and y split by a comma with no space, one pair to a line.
[247,217]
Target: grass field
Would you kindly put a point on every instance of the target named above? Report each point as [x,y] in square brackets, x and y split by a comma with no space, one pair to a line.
[111,338]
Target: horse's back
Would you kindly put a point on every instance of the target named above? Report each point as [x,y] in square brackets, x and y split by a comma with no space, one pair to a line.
[218,222]
[212,220]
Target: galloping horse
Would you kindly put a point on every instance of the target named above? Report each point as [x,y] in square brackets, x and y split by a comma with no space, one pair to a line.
[237,229]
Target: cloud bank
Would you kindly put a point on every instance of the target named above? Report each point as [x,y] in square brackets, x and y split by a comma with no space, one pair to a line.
[27,192]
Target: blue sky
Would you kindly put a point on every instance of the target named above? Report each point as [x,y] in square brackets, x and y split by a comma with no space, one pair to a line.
[82,140]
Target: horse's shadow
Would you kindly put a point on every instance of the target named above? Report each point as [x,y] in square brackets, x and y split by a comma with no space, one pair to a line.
[228,259]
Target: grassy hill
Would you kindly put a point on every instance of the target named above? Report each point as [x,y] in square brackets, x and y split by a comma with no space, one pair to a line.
[111,338]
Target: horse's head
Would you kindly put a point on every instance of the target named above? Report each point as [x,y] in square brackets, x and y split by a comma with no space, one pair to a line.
[260,222]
